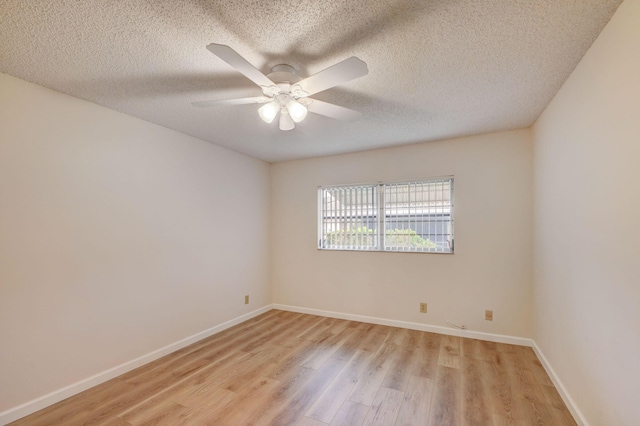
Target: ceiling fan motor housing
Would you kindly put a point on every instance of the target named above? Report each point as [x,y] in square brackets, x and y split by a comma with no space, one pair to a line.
[283,73]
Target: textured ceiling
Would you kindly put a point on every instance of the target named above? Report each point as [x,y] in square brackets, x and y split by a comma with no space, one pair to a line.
[437,68]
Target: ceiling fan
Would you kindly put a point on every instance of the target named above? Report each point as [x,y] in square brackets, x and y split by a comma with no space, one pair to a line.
[286,93]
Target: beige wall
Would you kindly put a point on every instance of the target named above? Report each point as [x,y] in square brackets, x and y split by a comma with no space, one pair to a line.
[587,227]
[117,237]
[491,268]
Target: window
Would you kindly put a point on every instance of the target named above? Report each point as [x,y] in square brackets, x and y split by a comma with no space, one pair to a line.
[402,217]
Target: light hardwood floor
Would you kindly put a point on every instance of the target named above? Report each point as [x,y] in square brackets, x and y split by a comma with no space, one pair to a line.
[285,368]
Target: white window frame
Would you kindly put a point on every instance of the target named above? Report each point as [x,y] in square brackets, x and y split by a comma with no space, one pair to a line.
[346,217]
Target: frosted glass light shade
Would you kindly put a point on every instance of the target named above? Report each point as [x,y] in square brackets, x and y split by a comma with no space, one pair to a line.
[268,111]
[286,123]
[297,111]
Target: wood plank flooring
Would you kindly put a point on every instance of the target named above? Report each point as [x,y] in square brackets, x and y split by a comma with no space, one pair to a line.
[285,368]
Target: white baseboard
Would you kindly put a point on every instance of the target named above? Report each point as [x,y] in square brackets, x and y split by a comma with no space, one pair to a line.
[569,402]
[27,408]
[499,338]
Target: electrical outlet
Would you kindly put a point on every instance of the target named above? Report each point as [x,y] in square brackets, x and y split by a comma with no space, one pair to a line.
[488,315]
[423,308]
[246,299]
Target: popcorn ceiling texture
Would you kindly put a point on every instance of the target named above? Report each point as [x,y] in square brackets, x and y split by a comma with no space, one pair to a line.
[437,69]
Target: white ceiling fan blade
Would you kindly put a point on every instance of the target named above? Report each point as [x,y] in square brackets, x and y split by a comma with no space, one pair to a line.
[239,101]
[333,111]
[231,57]
[334,75]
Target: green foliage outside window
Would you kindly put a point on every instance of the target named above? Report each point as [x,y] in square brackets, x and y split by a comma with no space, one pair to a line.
[365,237]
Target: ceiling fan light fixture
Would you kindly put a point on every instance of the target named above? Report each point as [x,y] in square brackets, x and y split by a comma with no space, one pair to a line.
[297,111]
[268,111]
[286,122]
[286,93]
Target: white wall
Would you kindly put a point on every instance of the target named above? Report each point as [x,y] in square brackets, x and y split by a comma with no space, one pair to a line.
[587,226]
[117,237]
[491,268]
